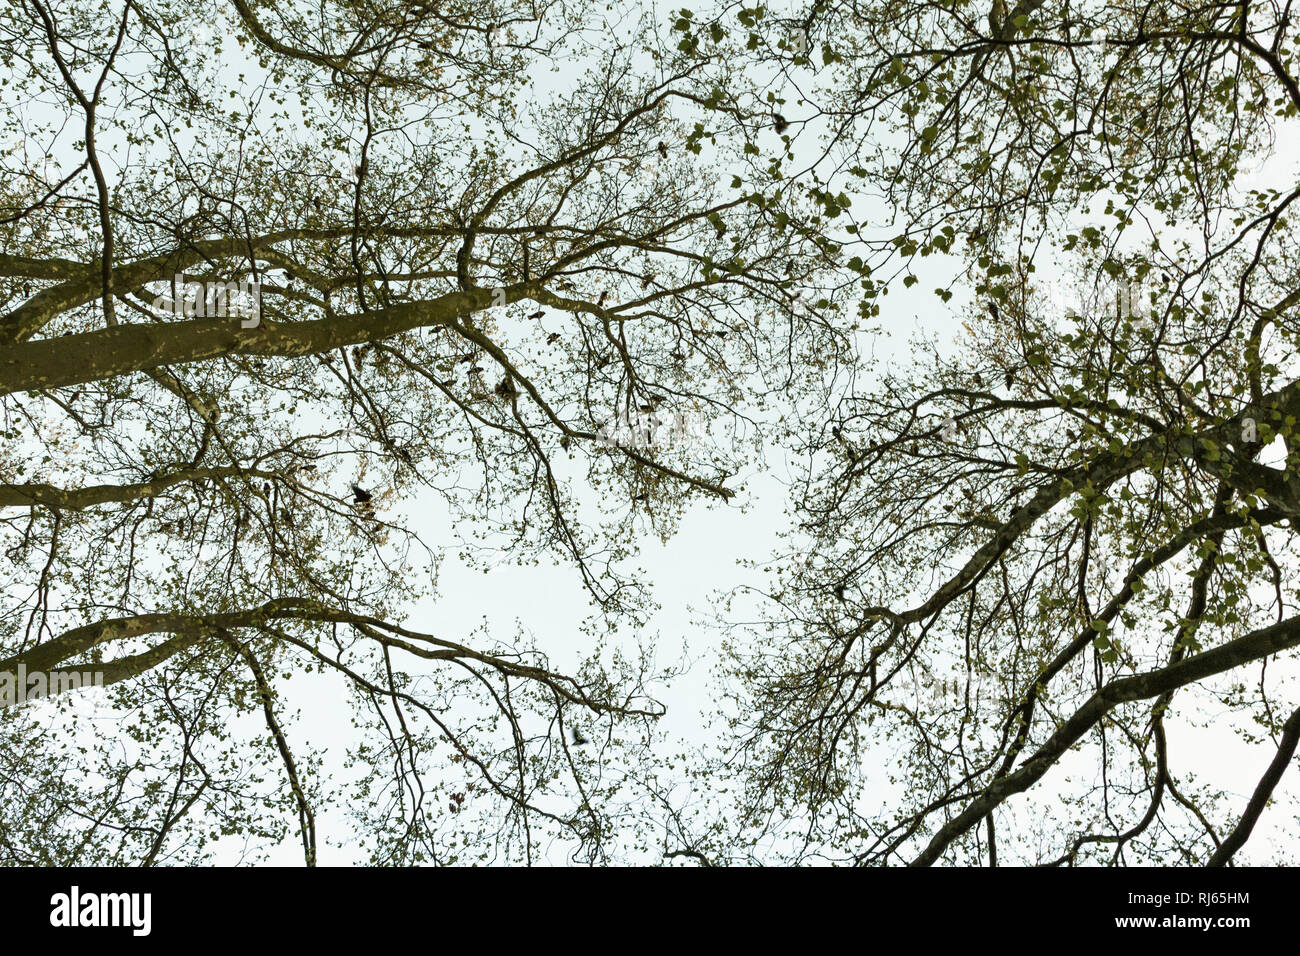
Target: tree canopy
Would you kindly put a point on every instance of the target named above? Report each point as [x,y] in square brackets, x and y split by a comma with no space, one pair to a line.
[276,276]
[1025,552]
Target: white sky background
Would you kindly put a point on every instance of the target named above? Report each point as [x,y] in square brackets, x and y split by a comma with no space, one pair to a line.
[689,572]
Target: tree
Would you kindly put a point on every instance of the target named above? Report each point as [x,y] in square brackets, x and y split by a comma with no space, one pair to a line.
[1025,556]
[258,293]
[263,300]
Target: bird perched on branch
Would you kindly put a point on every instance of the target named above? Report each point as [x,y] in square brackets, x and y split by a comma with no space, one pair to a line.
[360,495]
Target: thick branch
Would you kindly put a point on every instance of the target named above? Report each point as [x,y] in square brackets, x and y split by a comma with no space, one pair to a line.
[1257,644]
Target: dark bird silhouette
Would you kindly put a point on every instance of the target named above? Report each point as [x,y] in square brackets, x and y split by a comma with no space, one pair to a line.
[600,303]
[578,739]
[780,123]
[540,313]
[553,338]
[506,388]
[993,309]
[360,495]
[663,149]
[1011,378]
